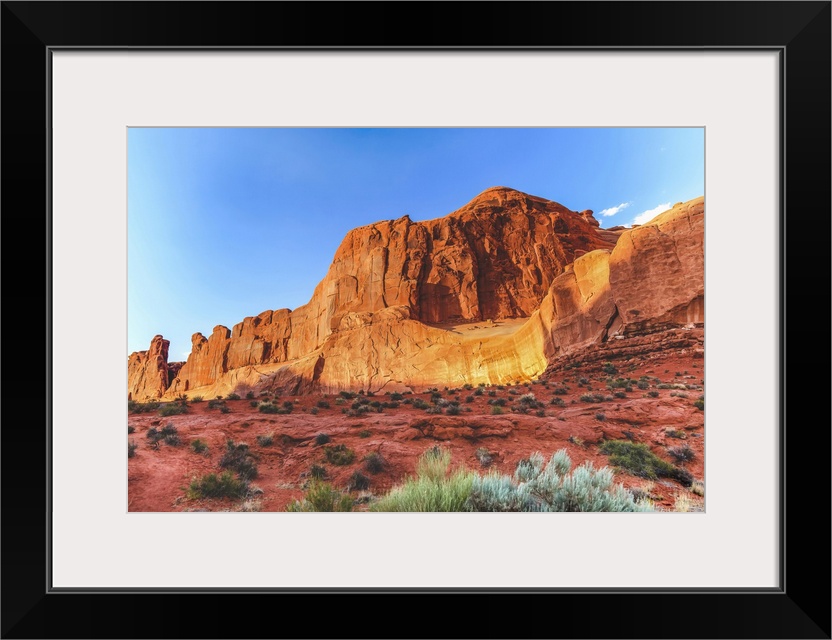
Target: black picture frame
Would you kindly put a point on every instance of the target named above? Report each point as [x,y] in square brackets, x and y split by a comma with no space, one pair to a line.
[799,31]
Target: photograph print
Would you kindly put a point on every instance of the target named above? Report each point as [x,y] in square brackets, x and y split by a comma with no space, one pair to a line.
[416,319]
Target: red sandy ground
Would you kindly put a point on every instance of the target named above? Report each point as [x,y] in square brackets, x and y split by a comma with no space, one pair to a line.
[158,478]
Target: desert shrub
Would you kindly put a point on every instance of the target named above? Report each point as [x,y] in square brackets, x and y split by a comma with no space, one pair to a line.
[697,487]
[131,449]
[374,463]
[478,391]
[238,458]
[224,485]
[321,496]
[600,417]
[224,409]
[199,446]
[317,471]
[643,384]
[142,407]
[232,396]
[653,394]
[556,401]
[288,405]
[553,487]
[253,403]
[130,429]
[173,409]
[620,394]
[496,411]
[314,411]
[575,440]
[433,409]
[197,399]
[322,404]
[322,438]
[497,402]
[358,482]
[700,403]
[529,400]
[340,401]
[640,461]
[172,440]
[560,391]
[250,395]
[396,396]
[675,433]
[216,403]
[610,369]
[347,395]
[364,433]
[267,407]
[339,455]
[453,410]
[682,453]
[265,440]
[390,405]
[484,456]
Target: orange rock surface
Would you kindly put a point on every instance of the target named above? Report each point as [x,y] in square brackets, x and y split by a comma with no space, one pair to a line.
[147,371]
[491,293]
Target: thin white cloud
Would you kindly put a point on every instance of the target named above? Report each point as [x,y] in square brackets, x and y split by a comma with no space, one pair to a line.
[613,210]
[647,216]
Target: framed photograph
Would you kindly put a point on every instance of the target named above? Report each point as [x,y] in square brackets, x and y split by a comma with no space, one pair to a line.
[117,114]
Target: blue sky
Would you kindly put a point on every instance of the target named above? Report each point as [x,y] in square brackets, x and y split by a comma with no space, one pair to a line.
[226,223]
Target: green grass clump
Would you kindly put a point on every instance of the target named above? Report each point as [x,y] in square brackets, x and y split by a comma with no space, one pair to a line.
[321,496]
[433,464]
[432,489]
[224,485]
[640,461]
[339,455]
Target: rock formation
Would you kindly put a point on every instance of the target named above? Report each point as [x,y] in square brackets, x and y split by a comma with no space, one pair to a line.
[147,371]
[491,293]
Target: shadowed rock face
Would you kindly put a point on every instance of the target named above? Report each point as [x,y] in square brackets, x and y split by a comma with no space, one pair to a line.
[371,321]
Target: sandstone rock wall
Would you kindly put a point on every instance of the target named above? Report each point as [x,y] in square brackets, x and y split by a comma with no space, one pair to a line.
[379,319]
[147,371]
[494,258]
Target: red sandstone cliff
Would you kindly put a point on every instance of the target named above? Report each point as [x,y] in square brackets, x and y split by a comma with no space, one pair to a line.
[371,322]
[147,371]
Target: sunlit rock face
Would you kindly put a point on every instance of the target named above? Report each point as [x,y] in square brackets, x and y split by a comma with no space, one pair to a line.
[490,293]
